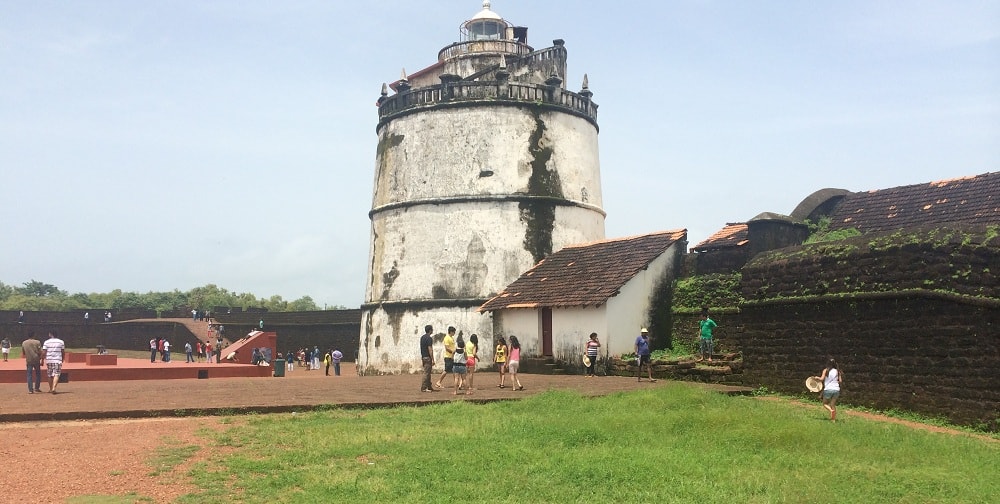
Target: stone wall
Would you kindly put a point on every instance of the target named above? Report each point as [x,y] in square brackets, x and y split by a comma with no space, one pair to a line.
[919,352]
[129,336]
[912,317]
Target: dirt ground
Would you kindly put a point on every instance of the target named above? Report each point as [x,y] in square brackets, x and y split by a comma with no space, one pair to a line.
[95,439]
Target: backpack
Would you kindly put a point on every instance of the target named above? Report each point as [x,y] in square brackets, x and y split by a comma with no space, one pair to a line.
[459,357]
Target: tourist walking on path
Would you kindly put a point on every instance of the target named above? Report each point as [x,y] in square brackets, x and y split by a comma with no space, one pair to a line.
[705,326]
[327,360]
[642,354]
[831,378]
[55,350]
[514,363]
[5,347]
[500,358]
[459,361]
[449,351]
[336,356]
[208,351]
[189,351]
[427,358]
[153,346]
[471,358]
[31,349]
[593,346]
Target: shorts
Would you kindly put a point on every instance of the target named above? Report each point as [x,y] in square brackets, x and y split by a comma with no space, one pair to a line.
[831,394]
[54,368]
[6,351]
[513,366]
[460,369]
[705,345]
[471,363]
[449,365]
[643,359]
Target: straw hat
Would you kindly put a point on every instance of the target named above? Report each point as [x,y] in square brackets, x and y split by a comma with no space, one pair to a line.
[586,360]
[814,384]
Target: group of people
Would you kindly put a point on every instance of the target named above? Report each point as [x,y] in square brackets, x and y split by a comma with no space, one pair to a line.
[52,353]
[312,358]
[461,358]
[199,352]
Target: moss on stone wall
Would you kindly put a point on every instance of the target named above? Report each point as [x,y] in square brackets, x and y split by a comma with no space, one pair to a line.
[962,261]
[715,290]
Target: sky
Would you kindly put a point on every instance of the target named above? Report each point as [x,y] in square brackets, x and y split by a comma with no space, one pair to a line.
[161,145]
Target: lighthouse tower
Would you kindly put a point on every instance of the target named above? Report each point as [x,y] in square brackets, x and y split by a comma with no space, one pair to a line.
[485,164]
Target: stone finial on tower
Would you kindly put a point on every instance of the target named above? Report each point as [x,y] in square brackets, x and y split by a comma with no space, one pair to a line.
[502,74]
[384,95]
[404,84]
[585,90]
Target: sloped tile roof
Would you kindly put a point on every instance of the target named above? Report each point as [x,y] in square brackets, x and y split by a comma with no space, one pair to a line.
[967,200]
[733,235]
[584,275]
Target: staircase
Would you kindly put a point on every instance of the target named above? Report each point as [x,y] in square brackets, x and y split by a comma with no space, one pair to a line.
[541,365]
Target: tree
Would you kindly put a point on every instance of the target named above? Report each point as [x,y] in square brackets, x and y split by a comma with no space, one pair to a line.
[38,289]
[6,291]
[304,303]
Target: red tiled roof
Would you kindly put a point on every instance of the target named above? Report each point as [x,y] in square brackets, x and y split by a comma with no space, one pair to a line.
[733,235]
[967,200]
[584,275]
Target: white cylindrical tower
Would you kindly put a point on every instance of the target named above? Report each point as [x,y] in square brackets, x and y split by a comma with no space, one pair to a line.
[485,165]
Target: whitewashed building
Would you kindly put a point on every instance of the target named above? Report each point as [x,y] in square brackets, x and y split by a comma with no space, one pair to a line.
[485,165]
[611,287]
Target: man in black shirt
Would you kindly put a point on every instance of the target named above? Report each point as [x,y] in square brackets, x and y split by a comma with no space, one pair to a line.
[427,358]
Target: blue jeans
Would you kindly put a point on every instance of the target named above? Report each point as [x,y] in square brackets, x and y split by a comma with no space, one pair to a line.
[152,355]
[190,357]
[38,376]
[336,369]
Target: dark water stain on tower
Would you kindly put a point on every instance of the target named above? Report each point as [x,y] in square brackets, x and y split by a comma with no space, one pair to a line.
[539,215]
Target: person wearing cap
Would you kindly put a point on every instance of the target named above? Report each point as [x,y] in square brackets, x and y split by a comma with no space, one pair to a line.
[642,353]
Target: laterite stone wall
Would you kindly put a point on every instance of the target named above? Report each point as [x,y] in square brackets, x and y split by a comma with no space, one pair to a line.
[913,319]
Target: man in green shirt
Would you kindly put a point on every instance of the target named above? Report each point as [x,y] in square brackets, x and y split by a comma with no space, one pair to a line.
[706,325]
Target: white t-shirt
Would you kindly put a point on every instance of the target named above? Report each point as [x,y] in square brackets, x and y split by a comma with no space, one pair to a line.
[53,348]
[166,346]
[831,382]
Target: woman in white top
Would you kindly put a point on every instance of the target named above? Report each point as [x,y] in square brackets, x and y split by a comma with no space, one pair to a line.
[831,388]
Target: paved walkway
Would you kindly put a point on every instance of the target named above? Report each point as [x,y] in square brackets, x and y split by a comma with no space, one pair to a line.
[299,390]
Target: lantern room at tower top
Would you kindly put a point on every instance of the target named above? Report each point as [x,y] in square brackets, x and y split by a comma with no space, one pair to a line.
[491,51]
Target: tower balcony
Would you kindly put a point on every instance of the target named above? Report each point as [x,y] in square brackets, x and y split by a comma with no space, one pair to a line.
[460,93]
[474,47]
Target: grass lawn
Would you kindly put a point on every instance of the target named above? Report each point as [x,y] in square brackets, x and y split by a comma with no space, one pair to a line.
[677,443]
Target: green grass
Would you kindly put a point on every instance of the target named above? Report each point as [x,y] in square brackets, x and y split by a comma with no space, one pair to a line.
[169,455]
[677,443]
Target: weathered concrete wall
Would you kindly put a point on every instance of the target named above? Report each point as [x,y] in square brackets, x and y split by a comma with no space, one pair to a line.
[465,200]
[467,250]
[487,150]
[391,335]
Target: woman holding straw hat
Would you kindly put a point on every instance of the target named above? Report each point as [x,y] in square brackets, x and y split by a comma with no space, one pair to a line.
[831,378]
